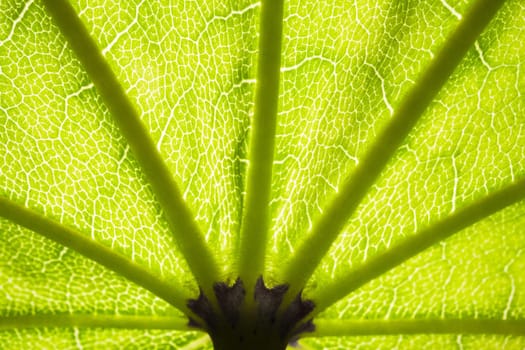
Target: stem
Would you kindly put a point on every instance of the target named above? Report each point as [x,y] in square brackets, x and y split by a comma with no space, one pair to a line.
[180,219]
[95,251]
[98,321]
[340,328]
[324,232]
[254,228]
[378,265]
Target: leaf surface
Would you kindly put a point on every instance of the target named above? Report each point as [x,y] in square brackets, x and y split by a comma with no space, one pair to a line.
[189,68]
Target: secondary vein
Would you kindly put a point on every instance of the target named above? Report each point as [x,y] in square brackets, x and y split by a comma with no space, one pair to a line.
[327,228]
[179,216]
[95,251]
[383,262]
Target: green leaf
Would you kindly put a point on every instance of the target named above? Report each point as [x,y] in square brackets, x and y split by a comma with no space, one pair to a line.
[372,159]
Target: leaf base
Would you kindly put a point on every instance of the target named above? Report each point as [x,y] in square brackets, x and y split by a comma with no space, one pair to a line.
[257,325]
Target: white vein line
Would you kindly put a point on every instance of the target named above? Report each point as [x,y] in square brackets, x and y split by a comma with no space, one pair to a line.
[451,9]
[348,155]
[306,60]
[459,342]
[512,286]
[227,17]
[481,57]
[124,156]
[445,289]
[358,21]
[93,216]
[77,339]
[75,94]
[171,117]
[455,189]
[126,30]
[385,99]
[399,341]
[392,304]
[16,21]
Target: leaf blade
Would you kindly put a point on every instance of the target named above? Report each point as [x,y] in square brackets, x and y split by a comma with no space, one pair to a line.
[415,244]
[303,263]
[94,251]
[187,234]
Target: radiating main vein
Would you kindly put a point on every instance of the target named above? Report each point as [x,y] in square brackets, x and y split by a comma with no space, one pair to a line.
[92,321]
[254,228]
[341,328]
[383,262]
[180,219]
[324,232]
[95,251]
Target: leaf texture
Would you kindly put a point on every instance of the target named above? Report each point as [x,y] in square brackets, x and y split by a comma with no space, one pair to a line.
[189,68]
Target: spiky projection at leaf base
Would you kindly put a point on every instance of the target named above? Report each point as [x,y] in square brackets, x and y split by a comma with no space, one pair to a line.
[261,327]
